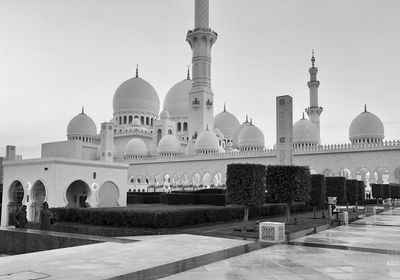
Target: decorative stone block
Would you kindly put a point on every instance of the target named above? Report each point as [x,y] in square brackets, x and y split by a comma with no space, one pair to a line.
[386,204]
[272,232]
[344,217]
[370,210]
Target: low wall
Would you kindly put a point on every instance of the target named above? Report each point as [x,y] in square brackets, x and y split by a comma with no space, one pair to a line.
[20,241]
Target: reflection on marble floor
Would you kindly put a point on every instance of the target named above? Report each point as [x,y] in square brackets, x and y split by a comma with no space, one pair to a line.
[105,260]
[374,242]
[298,262]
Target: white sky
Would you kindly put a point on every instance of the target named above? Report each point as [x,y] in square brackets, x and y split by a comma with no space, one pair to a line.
[59,55]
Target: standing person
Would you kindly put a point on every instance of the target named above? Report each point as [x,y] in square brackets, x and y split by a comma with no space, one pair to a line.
[20,217]
[45,217]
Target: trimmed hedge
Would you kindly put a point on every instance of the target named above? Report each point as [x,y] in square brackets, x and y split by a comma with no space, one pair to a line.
[245,184]
[318,190]
[395,190]
[336,186]
[125,217]
[385,191]
[361,190]
[286,184]
[212,199]
[351,191]
[377,190]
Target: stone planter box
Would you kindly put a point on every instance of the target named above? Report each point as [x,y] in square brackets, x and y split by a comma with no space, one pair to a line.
[272,232]
[344,218]
[370,210]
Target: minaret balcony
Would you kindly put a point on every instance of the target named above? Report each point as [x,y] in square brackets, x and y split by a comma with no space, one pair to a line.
[196,103]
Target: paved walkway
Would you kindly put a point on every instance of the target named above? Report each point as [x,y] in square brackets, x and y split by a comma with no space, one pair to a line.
[366,249]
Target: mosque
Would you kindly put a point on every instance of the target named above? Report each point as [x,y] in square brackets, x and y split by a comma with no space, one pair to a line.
[185,144]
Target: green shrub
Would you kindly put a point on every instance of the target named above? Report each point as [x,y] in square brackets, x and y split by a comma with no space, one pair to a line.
[377,190]
[352,191]
[336,186]
[128,217]
[245,184]
[287,184]
[361,190]
[318,190]
[385,191]
[211,199]
[132,199]
[395,190]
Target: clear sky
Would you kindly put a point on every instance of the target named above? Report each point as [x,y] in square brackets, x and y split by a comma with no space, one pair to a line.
[59,55]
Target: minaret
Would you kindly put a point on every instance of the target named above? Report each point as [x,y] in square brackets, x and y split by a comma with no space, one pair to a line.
[201,97]
[314,111]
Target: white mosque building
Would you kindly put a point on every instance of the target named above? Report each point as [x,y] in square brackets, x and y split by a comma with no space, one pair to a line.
[143,148]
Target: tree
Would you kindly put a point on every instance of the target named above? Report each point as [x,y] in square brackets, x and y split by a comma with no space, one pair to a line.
[318,191]
[287,184]
[245,185]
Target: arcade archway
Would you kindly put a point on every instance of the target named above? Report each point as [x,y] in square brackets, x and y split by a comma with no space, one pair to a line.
[16,196]
[77,193]
[38,197]
[108,195]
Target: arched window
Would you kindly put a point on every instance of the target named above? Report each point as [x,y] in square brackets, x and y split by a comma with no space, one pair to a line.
[130,119]
[169,131]
[185,126]
[142,120]
[120,120]
[179,126]
[152,121]
[124,119]
[147,120]
[159,135]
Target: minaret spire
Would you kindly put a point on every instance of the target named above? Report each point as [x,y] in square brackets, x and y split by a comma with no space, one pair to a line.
[83,110]
[365,108]
[314,111]
[201,98]
[188,73]
[224,106]
[137,70]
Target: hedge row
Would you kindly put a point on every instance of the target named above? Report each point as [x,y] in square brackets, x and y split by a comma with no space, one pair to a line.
[318,189]
[135,198]
[336,186]
[125,217]
[361,191]
[351,191]
[385,190]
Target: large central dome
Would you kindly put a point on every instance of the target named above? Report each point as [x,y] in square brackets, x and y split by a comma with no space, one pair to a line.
[136,94]
[176,101]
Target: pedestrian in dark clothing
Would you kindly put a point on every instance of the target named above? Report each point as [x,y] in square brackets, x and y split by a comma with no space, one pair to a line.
[20,217]
[45,217]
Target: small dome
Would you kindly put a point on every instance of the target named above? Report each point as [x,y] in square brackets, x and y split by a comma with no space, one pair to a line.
[251,137]
[366,126]
[176,101]
[164,114]
[221,150]
[169,144]
[136,94]
[227,123]
[304,131]
[81,125]
[229,147]
[136,148]
[236,134]
[207,142]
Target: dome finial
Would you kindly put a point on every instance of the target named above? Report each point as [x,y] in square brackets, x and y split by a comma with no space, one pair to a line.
[313,58]
[365,108]
[224,106]
[247,118]
[207,127]
[303,117]
[188,72]
[137,70]
[251,121]
[83,110]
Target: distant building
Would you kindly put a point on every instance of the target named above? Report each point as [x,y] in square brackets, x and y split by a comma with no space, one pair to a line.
[144,149]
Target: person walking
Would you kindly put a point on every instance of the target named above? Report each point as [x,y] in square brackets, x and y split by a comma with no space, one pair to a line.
[20,217]
[45,217]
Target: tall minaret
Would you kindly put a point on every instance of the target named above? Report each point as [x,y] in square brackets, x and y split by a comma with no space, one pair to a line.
[201,97]
[314,111]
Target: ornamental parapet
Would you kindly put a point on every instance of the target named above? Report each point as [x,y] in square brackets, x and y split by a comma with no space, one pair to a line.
[348,147]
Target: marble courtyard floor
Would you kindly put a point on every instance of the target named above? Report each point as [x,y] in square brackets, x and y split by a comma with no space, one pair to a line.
[366,249]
